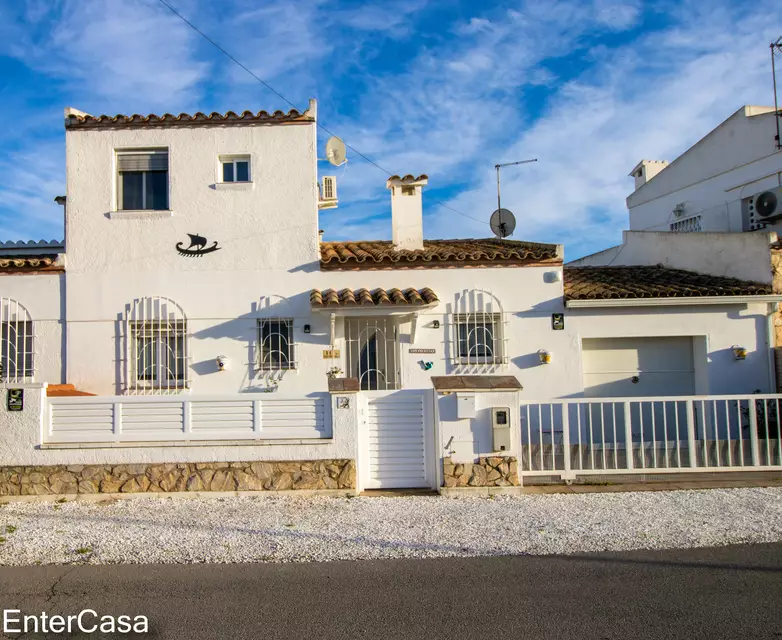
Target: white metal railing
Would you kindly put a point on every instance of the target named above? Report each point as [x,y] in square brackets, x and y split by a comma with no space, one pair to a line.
[660,434]
[116,419]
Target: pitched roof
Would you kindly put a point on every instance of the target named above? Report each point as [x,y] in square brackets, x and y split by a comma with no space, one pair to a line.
[331,298]
[381,254]
[605,283]
[86,121]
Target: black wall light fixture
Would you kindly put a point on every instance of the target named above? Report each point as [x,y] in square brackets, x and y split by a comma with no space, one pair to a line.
[307,328]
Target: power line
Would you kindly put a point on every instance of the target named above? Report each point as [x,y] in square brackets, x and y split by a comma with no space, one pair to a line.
[284,99]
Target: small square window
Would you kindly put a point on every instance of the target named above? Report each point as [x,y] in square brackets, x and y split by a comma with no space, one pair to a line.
[142,180]
[276,348]
[479,338]
[235,168]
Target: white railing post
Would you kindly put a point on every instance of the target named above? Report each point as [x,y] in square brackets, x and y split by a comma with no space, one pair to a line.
[566,436]
[187,416]
[629,462]
[257,417]
[753,432]
[116,415]
[693,454]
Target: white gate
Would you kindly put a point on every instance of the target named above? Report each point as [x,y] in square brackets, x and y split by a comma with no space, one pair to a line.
[397,440]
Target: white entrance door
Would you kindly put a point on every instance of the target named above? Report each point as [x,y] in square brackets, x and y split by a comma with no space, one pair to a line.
[633,367]
[398,436]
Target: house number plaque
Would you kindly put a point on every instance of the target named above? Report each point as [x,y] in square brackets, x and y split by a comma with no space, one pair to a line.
[330,353]
[15,399]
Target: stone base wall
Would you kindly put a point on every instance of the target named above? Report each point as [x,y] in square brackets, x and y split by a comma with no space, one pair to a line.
[163,478]
[490,471]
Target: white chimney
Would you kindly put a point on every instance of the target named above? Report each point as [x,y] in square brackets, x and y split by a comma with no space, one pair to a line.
[646,170]
[407,212]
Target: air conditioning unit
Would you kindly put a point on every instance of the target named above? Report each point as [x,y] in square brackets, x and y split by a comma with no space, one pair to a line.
[761,209]
[328,192]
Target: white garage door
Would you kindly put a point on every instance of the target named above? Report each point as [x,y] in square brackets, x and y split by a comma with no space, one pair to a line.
[395,427]
[621,367]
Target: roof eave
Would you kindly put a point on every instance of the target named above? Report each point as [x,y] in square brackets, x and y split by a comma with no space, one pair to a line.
[374,310]
[678,301]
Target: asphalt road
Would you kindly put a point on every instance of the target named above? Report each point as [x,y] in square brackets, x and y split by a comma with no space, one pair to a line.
[731,592]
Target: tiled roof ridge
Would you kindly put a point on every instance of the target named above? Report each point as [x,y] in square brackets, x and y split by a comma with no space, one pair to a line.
[376,297]
[652,281]
[11,262]
[24,244]
[74,120]
[409,177]
[382,252]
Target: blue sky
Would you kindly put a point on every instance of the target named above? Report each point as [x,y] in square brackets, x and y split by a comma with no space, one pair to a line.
[448,88]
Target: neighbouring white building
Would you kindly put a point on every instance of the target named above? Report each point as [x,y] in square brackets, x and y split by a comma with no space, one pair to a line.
[714,185]
[211,340]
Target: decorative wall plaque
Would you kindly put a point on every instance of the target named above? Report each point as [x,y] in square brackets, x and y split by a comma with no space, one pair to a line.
[197,246]
[15,399]
[557,321]
[422,351]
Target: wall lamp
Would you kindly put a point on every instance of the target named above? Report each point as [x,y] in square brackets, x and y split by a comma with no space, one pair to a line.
[740,353]
[545,356]
[435,324]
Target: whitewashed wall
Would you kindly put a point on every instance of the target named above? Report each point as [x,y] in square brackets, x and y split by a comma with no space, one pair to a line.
[736,160]
[23,437]
[468,439]
[42,296]
[721,326]
[735,255]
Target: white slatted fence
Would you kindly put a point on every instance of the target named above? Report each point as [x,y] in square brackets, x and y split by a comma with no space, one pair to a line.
[117,419]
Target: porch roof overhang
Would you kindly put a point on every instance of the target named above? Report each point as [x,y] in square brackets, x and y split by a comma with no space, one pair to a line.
[357,302]
[449,384]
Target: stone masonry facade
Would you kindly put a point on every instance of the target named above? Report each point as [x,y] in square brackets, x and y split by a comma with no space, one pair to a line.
[164,478]
[490,471]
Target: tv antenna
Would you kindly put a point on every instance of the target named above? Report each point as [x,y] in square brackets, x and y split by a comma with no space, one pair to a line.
[502,221]
[776,50]
[336,153]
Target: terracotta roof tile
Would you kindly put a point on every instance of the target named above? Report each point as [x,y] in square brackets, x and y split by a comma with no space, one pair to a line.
[347,298]
[86,121]
[381,254]
[29,262]
[603,283]
[409,178]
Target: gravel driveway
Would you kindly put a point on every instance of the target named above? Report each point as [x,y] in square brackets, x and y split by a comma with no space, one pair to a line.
[302,529]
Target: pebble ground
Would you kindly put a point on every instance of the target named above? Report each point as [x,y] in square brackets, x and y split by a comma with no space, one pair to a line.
[319,528]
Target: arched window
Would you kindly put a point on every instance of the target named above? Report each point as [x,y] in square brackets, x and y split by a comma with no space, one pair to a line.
[16,342]
[156,346]
[477,341]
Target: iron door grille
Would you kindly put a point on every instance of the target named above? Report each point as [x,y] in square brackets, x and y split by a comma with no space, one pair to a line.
[372,346]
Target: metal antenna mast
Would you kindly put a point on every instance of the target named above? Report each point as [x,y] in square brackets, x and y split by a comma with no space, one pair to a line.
[509,164]
[776,48]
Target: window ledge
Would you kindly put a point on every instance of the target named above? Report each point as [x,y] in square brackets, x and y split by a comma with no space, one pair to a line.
[234,186]
[143,213]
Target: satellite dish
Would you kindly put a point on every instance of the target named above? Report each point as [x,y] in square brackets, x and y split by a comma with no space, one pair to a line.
[766,204]
[503,223]
[335,151]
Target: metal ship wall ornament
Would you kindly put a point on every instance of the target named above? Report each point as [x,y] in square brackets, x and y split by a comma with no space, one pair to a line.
[197,246]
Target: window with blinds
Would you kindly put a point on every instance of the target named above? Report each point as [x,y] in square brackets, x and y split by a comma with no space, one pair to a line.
[142,180]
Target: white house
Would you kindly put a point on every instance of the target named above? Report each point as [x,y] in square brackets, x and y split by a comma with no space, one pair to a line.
[715,184]
[227,346]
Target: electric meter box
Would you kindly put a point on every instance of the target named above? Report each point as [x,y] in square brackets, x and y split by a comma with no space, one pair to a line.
[465,406]
[500,428]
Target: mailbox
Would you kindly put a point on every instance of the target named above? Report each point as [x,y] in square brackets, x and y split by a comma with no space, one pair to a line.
[465,406]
